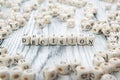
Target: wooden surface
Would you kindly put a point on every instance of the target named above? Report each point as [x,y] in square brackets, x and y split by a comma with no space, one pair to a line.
[42,56]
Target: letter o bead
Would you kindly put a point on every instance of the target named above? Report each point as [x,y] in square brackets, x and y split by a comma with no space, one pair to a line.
[28,75]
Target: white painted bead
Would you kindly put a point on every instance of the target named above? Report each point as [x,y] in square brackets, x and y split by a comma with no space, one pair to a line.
[98,60]
[90,40]
[43,40]
[35,40]
[53,40]
[95,73]
[3,50]
[5,60]
[23,64]
[116,63]
[62,40]
[81,40]
[70,23]
[74,64]
[108,77]
[50,73]
[63,68]
[82,73]
[26,39]
[28,75]
[71,40]
[16,73]
[15,58]
[4,73]
[107,67]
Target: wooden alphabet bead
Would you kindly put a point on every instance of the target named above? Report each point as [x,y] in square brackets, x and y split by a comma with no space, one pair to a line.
[82,73]
[86,26]
[35,40]
[116,63]
[96,29]
[14,25]
[70,23]
[43,40]
[3,50]
[71,40]
[50,73]
[106,31]
[81,40]
[98,60]
[47,19]
[53,40]
[108,77]
[22,22]
[62,40]
[23,64]
[28,74]
[112,46]
[3,34]
[101,54]
[26,40]
[16,73]
[90,40]
[95,73]
[4,73]
[63,68]
[107,67]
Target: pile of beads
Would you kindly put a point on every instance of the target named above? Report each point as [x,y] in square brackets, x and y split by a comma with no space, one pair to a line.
[14,67]
[72,39]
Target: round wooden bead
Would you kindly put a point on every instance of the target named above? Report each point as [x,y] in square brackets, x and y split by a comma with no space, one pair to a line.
[82,73]
[96,73]
[98,60]
[96,29]
[107,67]
[4,73]
[70,23]
[50,73]
[108,77]
[53,40]
[43,40]
[106,31]
[116,63]
[23,64]
[47,19]
[22,22]
[71,40]
[63,68]
[81,40]
[28,75]
[16,73]
[35,40]
[26,40]
[3,50]
[62,40]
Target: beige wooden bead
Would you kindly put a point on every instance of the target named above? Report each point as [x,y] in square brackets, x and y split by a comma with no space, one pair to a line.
[108,77]
[62,40]
[112,46]
[81,40]
[71,40]
[101,54]
[90,40]
[95,73]
[98,60]
[3,50]
[70,23]
[4,73]
[35,40]
[106,30]
[26,39]
[107,67]
[50,73]
[116,63]
[63,68]
[23,64]
[53,40]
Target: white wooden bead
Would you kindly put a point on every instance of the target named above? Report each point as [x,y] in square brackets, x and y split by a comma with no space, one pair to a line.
[108,77]
[62,40]
[95,73]
[5,60]
[43,40]
[26,39]
[8,29]
[3,34]
[90,40]
[4,73]
[53,40]
[23,64]
[74,64]
[82,73]
[3,50]
[107,67]
[106,30]
[112,40]
[22,22]
[112,46]
[16,73]
[47,19]
[28,75]
[101,54]
[116,63]
[112,54]
[70,23]
[96,29]
[71,40]
[26,16]
[35,40]
[98,60]
[15,58]
[81,40]
[86,26]
[63,68]
[50,73]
